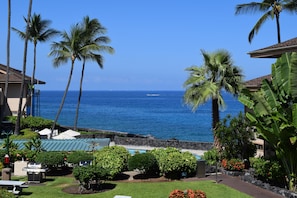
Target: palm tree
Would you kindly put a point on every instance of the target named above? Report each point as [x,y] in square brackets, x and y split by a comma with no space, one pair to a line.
[18,121]
[38,32]
[70,48]
[271,9]
[93,42]
[207,82]
[2,108]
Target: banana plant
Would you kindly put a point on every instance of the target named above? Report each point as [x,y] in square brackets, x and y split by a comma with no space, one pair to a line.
[274,112]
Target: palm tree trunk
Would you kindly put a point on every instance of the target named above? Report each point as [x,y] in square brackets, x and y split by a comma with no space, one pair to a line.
[215,120]
[63,98]
[79,95]
[18,121]
[4,96]
[278,29]
[32,82]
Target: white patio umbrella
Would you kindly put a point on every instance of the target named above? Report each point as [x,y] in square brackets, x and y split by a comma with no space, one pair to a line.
[63,136]
[71,133]
[45,131]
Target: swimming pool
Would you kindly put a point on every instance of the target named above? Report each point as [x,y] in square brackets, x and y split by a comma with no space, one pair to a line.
[134,151]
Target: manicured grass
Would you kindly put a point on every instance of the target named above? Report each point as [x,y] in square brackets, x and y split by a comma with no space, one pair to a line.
[54,185]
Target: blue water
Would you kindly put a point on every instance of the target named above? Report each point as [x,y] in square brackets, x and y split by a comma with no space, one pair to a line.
[163,116]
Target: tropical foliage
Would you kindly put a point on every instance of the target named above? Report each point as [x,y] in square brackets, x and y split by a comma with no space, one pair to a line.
[50,159]
[94,42]
[86,174]
[114,159]
[274,112]
[235,135]
[268,170]
[83,42]
[271,9]
[172,162]
[207,82]
[145,162]
[38,32]
[77,156]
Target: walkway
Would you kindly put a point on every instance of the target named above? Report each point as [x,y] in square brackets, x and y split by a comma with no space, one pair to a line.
[250,189]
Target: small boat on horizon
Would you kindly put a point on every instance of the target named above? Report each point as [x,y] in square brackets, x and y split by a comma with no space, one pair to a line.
[152,95]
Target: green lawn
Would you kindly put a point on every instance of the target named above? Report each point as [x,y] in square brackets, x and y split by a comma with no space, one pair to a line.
[54,185]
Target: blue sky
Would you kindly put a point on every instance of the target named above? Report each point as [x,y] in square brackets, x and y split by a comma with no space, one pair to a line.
[154,40]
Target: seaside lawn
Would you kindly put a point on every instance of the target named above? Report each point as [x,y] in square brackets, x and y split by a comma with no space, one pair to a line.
[54,185]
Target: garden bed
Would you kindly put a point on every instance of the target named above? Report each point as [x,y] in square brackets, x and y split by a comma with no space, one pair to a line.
[248,177]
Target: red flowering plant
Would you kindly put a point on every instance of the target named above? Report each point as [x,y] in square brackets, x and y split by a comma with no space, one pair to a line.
[187,194]
[233,164]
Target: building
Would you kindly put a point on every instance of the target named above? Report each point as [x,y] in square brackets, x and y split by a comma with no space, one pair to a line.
[10,106]
[273,51]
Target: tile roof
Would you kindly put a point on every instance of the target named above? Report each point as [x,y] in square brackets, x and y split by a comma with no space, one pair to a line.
[275,51]
[15,76]
[87,144]
[256,82]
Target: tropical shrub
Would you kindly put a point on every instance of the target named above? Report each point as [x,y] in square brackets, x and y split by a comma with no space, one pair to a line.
[77,156]
[113,159]
[86,174]
[235,135]
[211,156]
[233,164]
[187,194]
[172,162]
[145,162]
[268,170]
[50,159]
[32,122]
[32,148]
[26,134]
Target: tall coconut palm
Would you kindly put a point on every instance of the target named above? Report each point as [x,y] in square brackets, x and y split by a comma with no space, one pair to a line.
[4,99]
[94,42]
[271,10]
[205,83]
[39,31]
[70,48]
[18,121]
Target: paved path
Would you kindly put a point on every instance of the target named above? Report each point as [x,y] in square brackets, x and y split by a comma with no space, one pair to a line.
[245,187]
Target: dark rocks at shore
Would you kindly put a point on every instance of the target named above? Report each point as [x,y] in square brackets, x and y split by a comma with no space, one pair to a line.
[122,138]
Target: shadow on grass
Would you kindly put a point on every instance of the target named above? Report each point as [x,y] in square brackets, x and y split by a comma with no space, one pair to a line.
[74,189]
[63,171]
[26,193]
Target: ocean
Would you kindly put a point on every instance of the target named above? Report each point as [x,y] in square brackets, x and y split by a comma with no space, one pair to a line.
[161,114]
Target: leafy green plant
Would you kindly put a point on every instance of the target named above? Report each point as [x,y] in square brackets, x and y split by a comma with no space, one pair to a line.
[268,170]
[32,122]
[274,112]
[50,159]
[211,156]
[77,156]
[113,159]
[172,162]
[86,174]
[145,162]
[235,135]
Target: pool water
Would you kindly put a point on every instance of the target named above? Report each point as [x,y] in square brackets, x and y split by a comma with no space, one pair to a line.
[134,151]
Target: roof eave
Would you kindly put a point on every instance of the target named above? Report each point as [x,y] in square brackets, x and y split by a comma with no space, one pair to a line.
[272,52]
